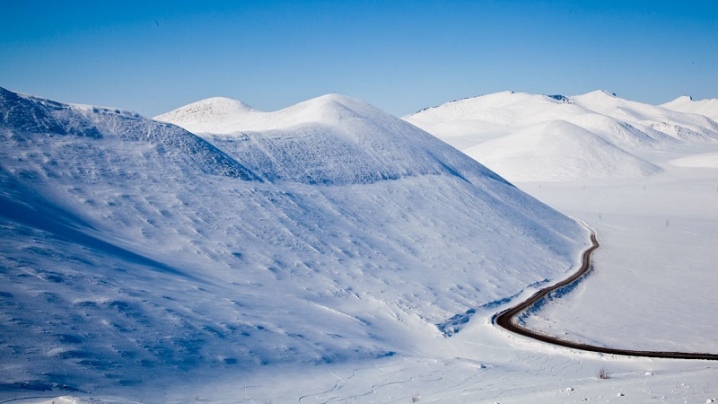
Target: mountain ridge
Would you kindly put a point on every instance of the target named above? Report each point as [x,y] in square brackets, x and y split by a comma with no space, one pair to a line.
[632,127]
[370,144]
[707,107]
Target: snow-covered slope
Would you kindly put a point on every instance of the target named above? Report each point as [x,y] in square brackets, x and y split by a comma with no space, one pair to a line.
[134,250]
[331,140]
[465,123]
[558,150]
[707,107]
[682,126]
[630,126]
[216,115]
[225,116]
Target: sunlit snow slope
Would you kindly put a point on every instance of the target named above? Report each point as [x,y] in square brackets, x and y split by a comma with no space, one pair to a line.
[136,251]
[560,150]
[527,137]
[707,107]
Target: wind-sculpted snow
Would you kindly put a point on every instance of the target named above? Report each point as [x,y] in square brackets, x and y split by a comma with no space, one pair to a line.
[507,119]
[145,255]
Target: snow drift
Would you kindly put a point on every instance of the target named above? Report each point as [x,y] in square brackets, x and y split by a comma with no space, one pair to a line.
[134,250]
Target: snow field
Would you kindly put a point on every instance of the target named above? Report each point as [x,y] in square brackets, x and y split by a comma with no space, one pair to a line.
[223,273]
[139,255]
[658,237]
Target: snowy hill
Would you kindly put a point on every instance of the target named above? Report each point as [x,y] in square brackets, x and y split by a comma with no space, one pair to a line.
[327,232]
[707,107]
[331,140]
[465,123]
[211,115]
[630,127]
[558,150]
[651,119]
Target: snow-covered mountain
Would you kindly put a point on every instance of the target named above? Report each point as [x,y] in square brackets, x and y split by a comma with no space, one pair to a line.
[134,250]
[328,140]
[495,129]
[653,120]
[465,123]
[707,107]
[216,115]
[559,150]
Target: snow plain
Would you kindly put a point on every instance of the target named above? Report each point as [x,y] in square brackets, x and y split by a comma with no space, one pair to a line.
[351,273]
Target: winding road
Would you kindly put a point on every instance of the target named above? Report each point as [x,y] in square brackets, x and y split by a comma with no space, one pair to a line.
[506,320]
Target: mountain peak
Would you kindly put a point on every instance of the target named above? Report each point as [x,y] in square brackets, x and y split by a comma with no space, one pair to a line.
[598,100]
[336,98]
[707,107]
[327,109]
[329,103]
[599,94]
[212,107]
[224,101]
[224,116]
[209,113]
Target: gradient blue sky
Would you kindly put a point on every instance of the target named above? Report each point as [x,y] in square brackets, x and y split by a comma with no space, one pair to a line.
[153,56]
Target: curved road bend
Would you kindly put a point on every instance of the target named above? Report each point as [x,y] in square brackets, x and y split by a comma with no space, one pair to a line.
[505,319]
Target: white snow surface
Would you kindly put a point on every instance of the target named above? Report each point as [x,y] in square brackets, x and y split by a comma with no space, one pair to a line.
[499,129]
[706,160]
[224,116]
[141,263]
[136,254]
[560,151]
[707,107]
[331,139]
[214,114]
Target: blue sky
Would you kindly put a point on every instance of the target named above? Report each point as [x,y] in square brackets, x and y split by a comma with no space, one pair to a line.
[153,56]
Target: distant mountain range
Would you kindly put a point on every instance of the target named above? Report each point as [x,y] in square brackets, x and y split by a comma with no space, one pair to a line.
[707,107]
[528,137]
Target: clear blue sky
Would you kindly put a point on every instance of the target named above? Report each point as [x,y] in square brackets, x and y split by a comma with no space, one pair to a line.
[153,56]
